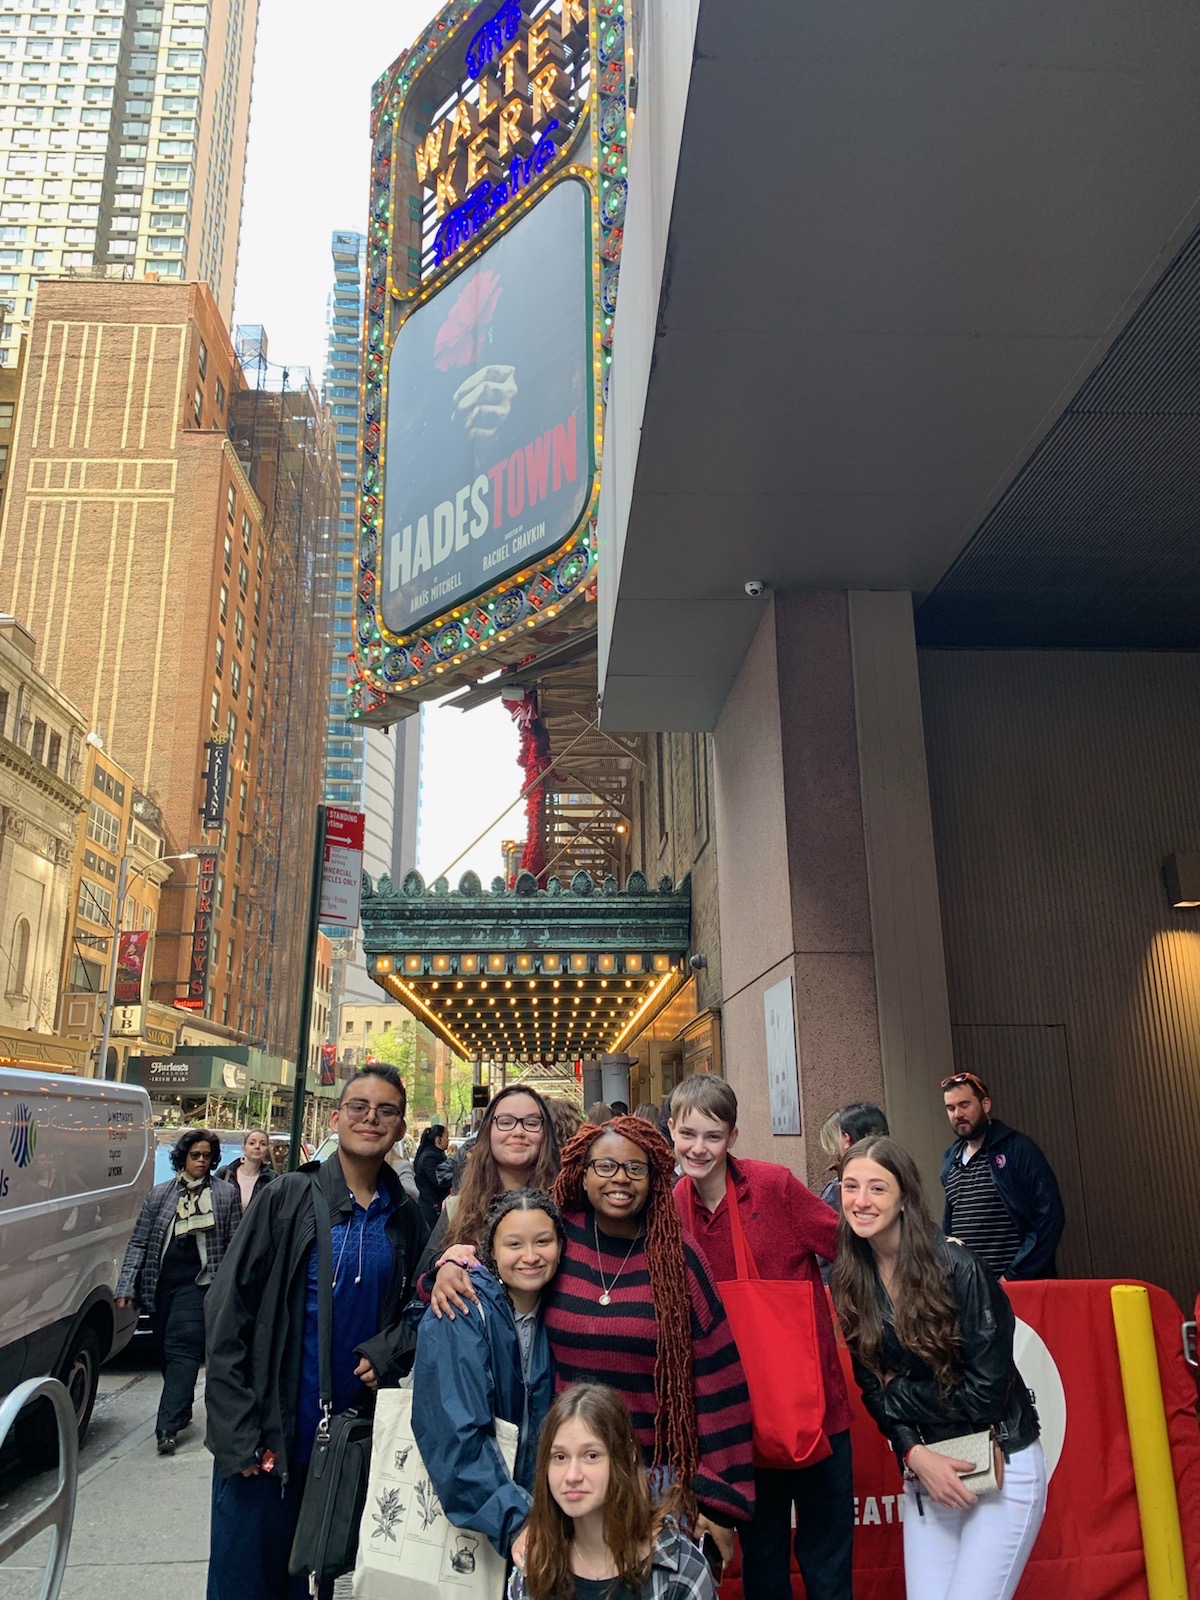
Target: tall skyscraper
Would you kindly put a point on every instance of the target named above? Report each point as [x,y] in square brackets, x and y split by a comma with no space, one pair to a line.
[364,769]
[124,126]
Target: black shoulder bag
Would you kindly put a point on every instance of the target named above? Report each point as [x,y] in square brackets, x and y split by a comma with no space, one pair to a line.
[335,1492]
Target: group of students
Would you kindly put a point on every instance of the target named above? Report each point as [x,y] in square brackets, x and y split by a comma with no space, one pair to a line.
[576,1293]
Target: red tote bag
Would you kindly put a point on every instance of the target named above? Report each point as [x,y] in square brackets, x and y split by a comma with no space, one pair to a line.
[774,1322]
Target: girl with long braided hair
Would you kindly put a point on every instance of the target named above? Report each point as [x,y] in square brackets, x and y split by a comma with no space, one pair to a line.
[634,1307]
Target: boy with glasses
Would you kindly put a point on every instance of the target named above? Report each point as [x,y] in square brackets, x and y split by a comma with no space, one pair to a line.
[261,1390]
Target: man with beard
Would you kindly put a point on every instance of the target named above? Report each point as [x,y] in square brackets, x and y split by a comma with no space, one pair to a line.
[1002,1198]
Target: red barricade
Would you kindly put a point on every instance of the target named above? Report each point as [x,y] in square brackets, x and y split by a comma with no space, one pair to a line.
[1090,1544]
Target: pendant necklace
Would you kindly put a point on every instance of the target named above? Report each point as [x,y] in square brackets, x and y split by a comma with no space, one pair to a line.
[607,1288]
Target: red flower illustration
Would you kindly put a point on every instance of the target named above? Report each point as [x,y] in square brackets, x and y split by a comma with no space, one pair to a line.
[460,338]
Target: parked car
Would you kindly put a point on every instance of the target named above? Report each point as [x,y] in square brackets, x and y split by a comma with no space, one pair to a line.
[75,1167]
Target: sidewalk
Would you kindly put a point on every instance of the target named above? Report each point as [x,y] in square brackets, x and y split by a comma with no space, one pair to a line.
[141,1521]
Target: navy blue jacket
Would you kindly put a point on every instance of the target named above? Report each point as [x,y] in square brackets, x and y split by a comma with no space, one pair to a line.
[467,1373]
[1026,1184]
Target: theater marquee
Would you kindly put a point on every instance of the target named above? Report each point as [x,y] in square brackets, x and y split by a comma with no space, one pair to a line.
[497,211]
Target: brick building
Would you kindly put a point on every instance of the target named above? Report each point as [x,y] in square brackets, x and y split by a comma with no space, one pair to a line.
[160,589]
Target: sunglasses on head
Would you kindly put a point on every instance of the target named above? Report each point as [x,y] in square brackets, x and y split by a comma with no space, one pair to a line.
[958,1078]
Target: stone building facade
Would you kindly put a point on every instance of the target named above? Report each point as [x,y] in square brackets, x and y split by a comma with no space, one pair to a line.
[41,741]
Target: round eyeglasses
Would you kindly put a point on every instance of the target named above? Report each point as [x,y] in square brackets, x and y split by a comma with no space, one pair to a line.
[606,1167]
[360,1110]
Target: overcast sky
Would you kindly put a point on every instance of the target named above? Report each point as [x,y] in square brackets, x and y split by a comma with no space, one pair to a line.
[308,175]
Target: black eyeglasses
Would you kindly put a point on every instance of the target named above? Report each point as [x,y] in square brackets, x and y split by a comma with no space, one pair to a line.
[360,1110]
[506,1122]
[606,1167]
[957,1079]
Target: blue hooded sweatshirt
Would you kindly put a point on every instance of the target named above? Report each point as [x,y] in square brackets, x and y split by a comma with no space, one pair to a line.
[468,1373]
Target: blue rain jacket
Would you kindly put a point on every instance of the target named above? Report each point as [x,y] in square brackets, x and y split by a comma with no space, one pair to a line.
[467,1373]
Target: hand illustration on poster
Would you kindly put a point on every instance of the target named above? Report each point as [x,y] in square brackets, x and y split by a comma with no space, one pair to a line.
[489,455]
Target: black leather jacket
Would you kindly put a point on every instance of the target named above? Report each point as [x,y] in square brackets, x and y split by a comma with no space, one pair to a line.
[911,1407]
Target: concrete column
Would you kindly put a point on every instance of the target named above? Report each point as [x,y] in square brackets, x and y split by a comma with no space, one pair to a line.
[906,918]
[826,872]
[792,884]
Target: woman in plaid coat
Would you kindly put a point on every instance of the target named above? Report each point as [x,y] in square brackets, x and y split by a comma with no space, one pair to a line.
[183,1232]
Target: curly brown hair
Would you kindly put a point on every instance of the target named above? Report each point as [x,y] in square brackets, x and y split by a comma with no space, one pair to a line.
[925,1316]
[630,1521]
[666,1265]
[481,1181]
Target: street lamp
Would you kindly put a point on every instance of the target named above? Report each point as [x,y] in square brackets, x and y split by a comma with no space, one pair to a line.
[123,880]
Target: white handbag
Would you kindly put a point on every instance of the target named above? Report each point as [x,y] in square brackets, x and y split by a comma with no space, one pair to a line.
[406,1545]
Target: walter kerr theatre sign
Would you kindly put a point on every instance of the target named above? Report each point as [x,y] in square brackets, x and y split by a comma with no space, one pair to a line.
[483,349]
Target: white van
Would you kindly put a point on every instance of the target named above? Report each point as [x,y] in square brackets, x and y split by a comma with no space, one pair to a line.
[76,1163]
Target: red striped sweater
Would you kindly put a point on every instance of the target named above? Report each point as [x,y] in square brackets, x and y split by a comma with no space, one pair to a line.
[616,1344]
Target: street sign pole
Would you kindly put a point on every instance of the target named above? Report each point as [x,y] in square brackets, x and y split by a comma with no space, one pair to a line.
[306,992]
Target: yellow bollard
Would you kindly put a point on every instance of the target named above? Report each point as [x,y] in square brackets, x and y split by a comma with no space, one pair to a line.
[1153,1474]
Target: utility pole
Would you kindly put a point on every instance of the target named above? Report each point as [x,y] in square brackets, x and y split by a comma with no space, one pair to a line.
[306,992]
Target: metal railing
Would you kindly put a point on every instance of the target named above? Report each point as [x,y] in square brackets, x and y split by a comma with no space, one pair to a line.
[57,1511]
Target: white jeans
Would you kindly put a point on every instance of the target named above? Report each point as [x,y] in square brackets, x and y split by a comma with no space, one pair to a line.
[977,1554]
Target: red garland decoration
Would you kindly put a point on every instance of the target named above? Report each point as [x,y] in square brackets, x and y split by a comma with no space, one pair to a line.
[534,760]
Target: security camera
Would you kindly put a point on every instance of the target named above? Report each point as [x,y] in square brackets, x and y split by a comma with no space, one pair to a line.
[698,963]
[755,587]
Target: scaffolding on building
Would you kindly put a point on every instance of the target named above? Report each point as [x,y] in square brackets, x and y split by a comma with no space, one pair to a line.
[284,437]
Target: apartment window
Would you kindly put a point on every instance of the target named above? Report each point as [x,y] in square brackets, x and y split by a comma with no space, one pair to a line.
[219,395]
[246,755]
[38,747]
[220,655]
[95,903]
[202,361]
[253,651]
[228,551]
[235,678]
[239,628]
[231,728]
[258,560]
[7,406]
[53,751]
[3,459]
[243,583]
[104,828]
[197,403]
[216,708]
[250,700]
[245,521]
[230,502]
[223,604]
[241,804]
[229,949]
[3,710]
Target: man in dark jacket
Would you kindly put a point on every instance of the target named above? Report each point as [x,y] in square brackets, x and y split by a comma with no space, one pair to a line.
[261,1389]
[1002,1197]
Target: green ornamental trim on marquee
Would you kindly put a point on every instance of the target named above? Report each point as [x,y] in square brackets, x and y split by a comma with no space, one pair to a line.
[579,916]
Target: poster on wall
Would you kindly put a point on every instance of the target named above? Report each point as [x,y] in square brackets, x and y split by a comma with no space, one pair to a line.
[489,454]
[131,968]
[782,1068]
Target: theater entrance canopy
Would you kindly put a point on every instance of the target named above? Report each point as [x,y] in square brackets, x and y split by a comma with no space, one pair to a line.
[524,976]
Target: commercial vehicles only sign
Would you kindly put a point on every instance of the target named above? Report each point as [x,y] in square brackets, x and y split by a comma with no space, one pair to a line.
[341,874]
